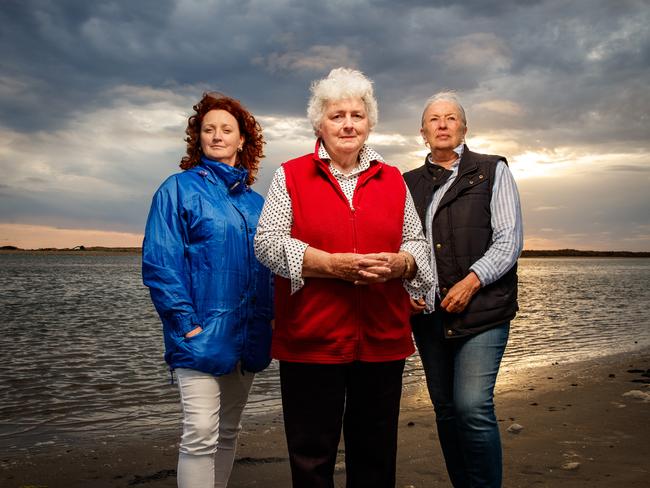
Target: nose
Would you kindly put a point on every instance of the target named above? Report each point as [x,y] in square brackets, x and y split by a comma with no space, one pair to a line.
[216,135]
[347,122]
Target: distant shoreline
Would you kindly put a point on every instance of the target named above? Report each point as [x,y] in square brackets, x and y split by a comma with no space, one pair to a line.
[574,253]
[551,253]
[79,250]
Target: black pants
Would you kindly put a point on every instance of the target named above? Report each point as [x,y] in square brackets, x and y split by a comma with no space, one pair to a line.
[363,397]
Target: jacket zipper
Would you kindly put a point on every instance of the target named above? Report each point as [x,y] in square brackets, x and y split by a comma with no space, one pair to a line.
[356,197]
[246,312]
[357,290]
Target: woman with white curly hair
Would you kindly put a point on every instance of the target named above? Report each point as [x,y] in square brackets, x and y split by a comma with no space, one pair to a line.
[340,231]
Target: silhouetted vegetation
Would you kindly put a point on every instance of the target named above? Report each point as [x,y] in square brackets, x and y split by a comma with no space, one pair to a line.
[551,253]
[574,253]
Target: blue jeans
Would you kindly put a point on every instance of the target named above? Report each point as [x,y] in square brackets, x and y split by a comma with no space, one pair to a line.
[461,374]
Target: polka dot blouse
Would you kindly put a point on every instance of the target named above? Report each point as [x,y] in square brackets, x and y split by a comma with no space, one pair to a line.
[283,254]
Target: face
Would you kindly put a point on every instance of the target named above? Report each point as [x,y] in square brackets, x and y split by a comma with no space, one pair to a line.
[442,126]
[344,127]
[220,137]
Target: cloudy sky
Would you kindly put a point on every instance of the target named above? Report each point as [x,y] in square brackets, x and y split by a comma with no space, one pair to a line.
[94,98]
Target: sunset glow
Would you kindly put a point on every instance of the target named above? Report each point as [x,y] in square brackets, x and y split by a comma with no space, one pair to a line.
[40,236]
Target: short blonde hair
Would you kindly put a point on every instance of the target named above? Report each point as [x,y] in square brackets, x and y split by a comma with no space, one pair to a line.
[341,83]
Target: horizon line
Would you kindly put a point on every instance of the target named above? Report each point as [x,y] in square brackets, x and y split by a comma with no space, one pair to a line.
[525,252]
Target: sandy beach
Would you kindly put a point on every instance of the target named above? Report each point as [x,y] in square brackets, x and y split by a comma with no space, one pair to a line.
[580,424]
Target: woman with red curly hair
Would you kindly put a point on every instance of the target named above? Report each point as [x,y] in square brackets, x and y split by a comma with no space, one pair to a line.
[213,296]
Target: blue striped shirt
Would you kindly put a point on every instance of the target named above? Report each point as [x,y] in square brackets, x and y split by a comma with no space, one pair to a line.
[507,228]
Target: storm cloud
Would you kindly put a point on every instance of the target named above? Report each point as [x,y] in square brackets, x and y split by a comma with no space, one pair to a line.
[94,97]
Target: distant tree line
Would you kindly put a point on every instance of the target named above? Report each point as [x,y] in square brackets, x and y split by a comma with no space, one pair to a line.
[525,254]
[577,253]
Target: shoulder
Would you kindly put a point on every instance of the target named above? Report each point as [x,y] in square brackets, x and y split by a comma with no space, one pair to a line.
[178,185]
[299,161]
[389,168]
[502,172]
[183,177]
[391,171]
[305,166]
[385,174]
[169,185]
[488,159]
[414,174]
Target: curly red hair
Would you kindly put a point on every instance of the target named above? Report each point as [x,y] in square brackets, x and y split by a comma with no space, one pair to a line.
[253,148]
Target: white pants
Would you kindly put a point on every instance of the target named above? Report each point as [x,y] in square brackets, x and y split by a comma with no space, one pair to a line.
[212,408]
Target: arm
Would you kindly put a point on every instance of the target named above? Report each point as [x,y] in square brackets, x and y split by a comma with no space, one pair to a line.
[274,246]
[414,244]
[163,262]
[294,259]
[507,229]
[506,246]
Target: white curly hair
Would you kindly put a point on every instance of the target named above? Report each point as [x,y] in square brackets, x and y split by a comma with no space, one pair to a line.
[340,84]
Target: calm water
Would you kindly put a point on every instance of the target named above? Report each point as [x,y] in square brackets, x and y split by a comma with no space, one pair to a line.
[81,347]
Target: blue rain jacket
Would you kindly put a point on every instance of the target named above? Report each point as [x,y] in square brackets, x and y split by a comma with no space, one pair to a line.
[199,265]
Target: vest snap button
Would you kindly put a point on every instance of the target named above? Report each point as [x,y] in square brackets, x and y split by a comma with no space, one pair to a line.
[438,246]
[480,177]
[450,332]
[444,291]
[471,182]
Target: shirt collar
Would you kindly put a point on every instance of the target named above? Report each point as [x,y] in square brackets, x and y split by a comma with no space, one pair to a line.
[458,150]
[366,156]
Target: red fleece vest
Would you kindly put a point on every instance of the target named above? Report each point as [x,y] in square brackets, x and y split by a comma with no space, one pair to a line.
[331,320]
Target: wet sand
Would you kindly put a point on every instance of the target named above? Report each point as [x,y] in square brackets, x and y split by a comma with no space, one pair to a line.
[580,426]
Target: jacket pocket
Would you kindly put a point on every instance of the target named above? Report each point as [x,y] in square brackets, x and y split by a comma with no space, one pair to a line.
[215,350]
[207,222]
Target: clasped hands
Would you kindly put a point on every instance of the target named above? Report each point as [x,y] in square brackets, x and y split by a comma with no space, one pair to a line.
[367,269]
